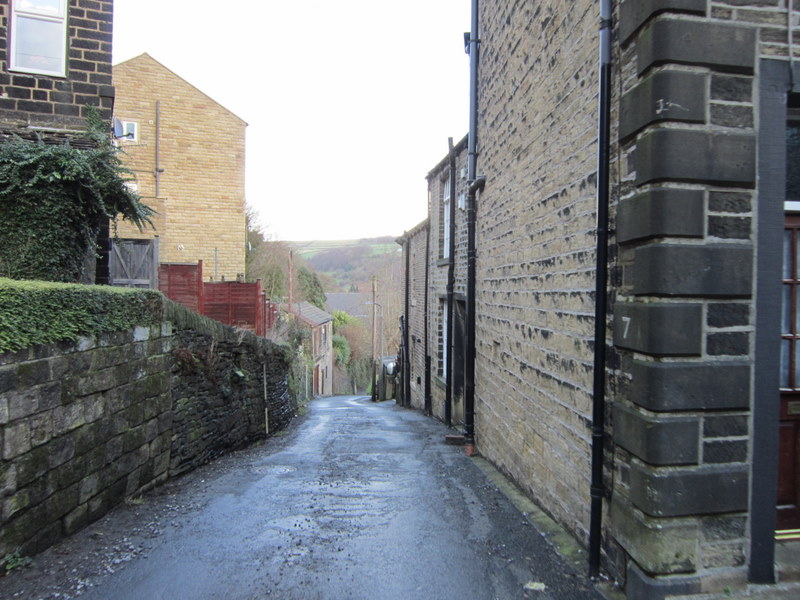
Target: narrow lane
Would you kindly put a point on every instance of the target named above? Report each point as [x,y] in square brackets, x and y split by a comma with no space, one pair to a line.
[360,501]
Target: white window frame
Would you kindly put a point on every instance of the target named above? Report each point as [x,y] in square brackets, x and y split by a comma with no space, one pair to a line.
[22,10]
[130,127]
[446,199]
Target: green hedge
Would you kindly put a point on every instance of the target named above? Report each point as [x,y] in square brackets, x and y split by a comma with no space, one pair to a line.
[37,312]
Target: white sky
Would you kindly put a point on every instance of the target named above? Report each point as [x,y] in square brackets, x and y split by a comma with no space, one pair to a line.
[349,102]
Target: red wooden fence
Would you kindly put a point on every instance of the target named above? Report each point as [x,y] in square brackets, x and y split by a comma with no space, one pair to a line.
[234,303]
[182,283]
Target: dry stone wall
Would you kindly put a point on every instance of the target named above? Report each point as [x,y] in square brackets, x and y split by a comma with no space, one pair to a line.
[85,425]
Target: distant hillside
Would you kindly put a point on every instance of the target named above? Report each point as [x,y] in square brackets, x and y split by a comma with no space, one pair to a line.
[351,264]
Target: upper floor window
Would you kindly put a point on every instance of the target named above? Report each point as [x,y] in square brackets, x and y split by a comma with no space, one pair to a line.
[38,37]
[130,131]
[446,199]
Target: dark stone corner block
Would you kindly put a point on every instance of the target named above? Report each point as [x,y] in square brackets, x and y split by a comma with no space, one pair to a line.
[695,156]
[710,271]
[677,386]
[659,329]
[675,96]
[634,13]
[658,440]
[684,491]
[730,48]
[661,212]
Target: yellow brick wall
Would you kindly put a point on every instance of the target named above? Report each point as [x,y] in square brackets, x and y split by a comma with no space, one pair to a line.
[201,198]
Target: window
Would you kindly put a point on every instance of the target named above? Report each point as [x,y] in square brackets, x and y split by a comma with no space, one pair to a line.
[38,37]
[130,131]
[446,218]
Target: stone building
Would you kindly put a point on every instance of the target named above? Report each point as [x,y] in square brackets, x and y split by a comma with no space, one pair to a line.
[436,250]
[320,326]
[696,415]
[55,60]
[188,156]
[415,343]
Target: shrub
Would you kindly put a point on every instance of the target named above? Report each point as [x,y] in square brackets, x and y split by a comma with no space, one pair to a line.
[37,312]
[53,199]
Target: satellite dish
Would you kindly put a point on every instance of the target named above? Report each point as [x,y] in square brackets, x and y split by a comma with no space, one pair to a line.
[119,130]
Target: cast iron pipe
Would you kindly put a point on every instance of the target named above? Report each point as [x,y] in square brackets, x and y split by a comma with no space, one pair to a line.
[428,398]
[599,380]
[451,282]
[406,350]
[474,185]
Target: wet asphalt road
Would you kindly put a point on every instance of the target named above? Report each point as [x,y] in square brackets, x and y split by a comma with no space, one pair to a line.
[362,501]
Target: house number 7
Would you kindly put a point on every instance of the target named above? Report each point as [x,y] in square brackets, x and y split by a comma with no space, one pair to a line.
[626,323]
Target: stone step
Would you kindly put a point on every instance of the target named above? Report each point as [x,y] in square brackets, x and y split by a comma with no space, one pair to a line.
[779,591]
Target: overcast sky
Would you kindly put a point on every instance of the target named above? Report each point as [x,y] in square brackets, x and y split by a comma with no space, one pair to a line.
[349,102]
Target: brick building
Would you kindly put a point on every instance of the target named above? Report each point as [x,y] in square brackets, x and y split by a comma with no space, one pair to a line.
[699,437]
[188,155]
[55,60]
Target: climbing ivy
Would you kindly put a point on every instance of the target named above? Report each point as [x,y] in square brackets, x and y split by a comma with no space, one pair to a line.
[53,198]
[38,312]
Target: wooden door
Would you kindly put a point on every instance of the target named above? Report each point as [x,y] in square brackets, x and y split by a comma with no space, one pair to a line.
[789,427]
[134,263]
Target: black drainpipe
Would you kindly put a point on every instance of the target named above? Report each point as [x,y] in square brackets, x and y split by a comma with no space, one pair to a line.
[601,309]
[406,350]
[474,185]
[451,283]
[428,399]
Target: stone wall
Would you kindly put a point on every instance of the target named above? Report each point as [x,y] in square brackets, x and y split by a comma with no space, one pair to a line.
[683,374]
[685,225]
[85,425]
[217,394]
[57,103]
[536,248]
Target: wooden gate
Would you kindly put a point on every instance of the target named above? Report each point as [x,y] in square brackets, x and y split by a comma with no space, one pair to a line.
[134,263]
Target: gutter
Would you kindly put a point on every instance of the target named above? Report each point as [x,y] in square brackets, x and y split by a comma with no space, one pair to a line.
[597,489]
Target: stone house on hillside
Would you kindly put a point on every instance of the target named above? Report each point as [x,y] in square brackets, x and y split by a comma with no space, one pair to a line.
[666,439]
[320,325]
[188,156]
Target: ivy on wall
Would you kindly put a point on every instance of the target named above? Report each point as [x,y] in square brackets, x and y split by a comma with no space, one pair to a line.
[53,199]
[38,312]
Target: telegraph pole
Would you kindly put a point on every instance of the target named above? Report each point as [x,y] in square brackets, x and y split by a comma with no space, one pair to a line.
[374,352]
